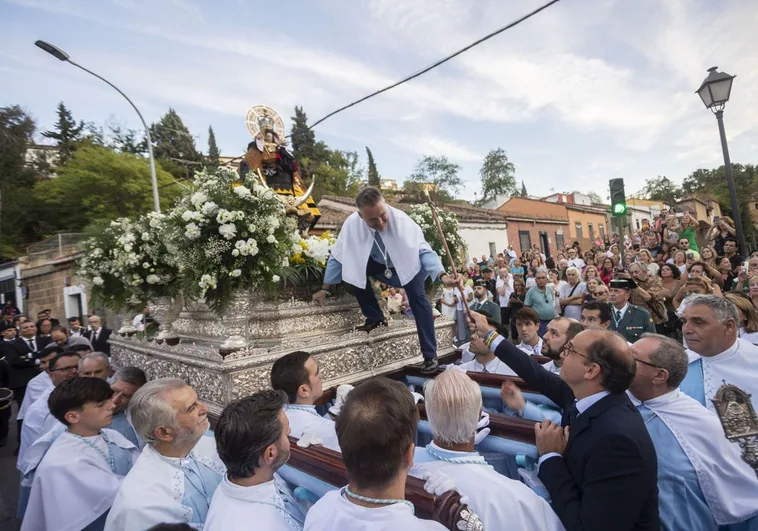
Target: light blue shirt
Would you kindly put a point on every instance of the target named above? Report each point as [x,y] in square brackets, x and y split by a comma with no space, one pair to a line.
[692,384]
[541,302]
[121,425]
[200,483]
[430,262]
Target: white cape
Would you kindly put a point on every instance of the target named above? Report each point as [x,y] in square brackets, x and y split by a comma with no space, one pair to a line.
[403,239]
[738,366]
[89,483]
[729,485]
[34,389]
[153,491]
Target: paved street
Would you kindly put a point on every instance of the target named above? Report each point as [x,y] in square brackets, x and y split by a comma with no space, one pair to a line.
[9,482]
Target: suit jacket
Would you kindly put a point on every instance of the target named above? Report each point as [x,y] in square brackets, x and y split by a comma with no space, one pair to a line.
[22,360]
[101,343]
[608,476]
[636,321]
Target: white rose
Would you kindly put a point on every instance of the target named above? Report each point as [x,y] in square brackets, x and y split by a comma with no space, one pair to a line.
[242,191]
[228,230]
[235,273]
[273,222]
[270,238]
[236,252]
[251,228]
[145,237]
[209,209]
[188,215]
[191,231]
[275,278]
[198,198]
[98,281]
[153,279]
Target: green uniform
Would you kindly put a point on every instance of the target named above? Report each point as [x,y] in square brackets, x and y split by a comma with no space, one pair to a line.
[635,322]
[487,306]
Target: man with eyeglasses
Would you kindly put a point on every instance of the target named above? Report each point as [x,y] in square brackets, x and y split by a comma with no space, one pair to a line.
[703,481]
[542,300]
[38,420]
[600,468]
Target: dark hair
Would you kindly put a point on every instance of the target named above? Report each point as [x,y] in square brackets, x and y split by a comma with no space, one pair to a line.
[171,527]
[573,329]
[367,196]
[52,348]
[131,375]
[66,354]
[246,428]
[527,314]
[40,321]
[701,264]
[59,328]
[288,373]
[74,318]
[75,393]
[674,270]
[79,347]
[617,372]
[603,307]
[375,428]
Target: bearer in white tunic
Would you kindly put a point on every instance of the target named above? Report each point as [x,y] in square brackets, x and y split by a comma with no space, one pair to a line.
[716,355]
[77,479]
[297,374]
[453,402]
[126,381]
[703,483]
[251,491]
[178,472]
[39,384]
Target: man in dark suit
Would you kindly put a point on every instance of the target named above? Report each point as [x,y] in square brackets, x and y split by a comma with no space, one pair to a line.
[98,336]
[601,468]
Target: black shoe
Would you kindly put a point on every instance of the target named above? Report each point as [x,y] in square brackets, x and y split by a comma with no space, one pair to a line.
[430,366]
[368,326]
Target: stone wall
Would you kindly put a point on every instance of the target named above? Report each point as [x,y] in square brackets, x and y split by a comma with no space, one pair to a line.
[44,287]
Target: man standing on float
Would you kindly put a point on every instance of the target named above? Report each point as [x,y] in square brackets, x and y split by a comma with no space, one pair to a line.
[382,242]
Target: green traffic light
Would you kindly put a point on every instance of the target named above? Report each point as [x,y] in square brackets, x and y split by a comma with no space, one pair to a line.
[619,209]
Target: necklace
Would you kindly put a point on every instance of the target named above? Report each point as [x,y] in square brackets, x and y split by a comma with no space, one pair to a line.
[471,460]
[378,501]
[387,271]
[108,458]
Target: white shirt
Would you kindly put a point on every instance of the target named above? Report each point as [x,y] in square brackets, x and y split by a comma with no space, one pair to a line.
[577,263]
[751,337]
[270,506]
[77,333]
[494,366]
[334,512]
[34,389]
[621,313]
[505,299]
[532,351]
[552,367]
[466,354]
[467,290]
[304,419]
[574,311]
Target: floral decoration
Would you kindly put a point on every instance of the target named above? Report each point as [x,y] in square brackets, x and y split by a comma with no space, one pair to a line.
[422,214]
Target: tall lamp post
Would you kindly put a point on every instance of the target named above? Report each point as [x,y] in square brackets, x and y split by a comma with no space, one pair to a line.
[63,56]
[715,92]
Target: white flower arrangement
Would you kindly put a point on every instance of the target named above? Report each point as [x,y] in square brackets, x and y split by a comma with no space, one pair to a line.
[422,215]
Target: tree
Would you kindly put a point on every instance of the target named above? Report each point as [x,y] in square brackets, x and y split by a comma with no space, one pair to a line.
[303,139]
[373,174]
[523,190]
[338,174]
[99,185]
[172,141]
[213,153]
[125,140]
[497,175]
[661,188]
[440,172]
[66,133]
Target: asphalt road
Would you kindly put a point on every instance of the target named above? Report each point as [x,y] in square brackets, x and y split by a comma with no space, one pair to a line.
[9,481]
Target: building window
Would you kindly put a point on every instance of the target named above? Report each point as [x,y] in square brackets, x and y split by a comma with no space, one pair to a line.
[578,230]
[559,241]
[601,228]
[524,240]
[591,230]
[493,249]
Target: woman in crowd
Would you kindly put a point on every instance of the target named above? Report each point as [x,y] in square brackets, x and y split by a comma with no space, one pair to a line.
[644,256]
[535,264]
[517,302]
[708,256]
[672,282]
[592,285]
[615,254]
[517,270]
[744,276]
[590,271]
[689,225]
[530,280]
[692,286]
[448,301]
[477,274]
[753,290]
[606,271]
[748,316]
[680,260]
[727,274]
[721,231]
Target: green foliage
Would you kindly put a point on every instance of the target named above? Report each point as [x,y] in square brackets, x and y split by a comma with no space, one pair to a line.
[67,133]
[440,172]
[523,190]
[374,179]
[213,153]
[497,175]
[422,214]
[661,188]
[126,140]
[172,141]
[303,139]
[99,185]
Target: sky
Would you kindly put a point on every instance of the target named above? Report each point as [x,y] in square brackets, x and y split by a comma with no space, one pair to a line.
[584,92]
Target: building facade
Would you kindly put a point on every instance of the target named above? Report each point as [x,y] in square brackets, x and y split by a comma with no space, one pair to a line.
[535,222]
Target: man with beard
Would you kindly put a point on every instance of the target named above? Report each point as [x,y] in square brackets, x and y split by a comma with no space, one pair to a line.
[179,469]
[251,439]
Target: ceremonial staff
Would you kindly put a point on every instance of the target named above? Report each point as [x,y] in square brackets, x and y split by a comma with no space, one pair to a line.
[449,256]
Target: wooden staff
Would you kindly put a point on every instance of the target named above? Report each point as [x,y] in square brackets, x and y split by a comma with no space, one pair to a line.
[449,256]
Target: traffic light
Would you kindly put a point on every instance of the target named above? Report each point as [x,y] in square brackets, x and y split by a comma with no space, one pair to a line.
[618,197]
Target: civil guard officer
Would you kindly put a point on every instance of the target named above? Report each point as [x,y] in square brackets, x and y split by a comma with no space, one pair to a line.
[627,319]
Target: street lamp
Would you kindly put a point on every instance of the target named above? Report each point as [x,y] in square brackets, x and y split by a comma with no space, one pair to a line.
[63,56]
[715,92]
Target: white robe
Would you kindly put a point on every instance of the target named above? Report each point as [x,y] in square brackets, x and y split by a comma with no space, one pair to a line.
[500,502]
[34,389]
[270,505]
[494,366]
[37,422]
[153,491]
[535,350]
[73,485]
[730,485]
[304,419]
[334,512]
[403,239]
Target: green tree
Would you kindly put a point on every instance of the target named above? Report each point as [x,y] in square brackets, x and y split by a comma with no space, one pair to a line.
[125,140]
[374,179]
[497,175]
[66,133]
[523,190]
[172,141]
[338,174]
[661,188]
[213,153]
[303,139]
[98,185]
[438,171]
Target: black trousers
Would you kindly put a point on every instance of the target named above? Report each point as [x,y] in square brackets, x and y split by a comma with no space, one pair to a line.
[18,396]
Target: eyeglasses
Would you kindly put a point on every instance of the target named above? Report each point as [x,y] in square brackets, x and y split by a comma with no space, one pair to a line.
[568,349]
[648,363]
[66,369]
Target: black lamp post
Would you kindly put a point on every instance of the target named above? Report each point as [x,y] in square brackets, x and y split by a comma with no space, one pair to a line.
[715,92]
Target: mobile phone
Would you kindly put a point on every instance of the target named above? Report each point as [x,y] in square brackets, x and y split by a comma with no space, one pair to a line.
[690,256]
[716,219]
